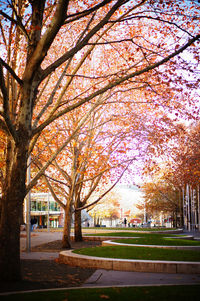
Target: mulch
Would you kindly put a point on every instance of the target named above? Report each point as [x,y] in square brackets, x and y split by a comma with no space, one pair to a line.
[46,274]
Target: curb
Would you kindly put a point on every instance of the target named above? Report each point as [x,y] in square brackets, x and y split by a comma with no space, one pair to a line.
[112,243]
[152,266]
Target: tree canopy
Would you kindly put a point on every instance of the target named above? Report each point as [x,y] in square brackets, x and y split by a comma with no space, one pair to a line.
[57,56]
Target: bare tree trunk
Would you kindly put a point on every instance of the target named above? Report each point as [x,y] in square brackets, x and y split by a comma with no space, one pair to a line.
[181,210]
[10,248]
[66,240]
[11,208]
[77,226]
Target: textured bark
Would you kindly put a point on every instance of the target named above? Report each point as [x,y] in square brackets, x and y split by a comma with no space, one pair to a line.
[78,227]
[66,240]
[12,202]
[9,248]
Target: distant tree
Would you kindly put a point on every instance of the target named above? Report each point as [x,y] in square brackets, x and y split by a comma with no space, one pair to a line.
[107,208]
[162,196]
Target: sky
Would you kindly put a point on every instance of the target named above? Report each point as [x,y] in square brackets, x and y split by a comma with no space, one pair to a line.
[129,197]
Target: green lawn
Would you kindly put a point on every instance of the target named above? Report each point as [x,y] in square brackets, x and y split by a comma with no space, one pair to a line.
[161,240]
[132,228]
[133,234]
[141,253]
[152,239]
[146,293]
[155,229]
[129,229]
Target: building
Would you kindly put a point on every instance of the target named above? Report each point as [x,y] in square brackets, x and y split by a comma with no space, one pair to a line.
[45,212]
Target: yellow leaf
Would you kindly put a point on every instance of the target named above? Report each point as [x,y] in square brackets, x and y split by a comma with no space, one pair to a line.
[104,297]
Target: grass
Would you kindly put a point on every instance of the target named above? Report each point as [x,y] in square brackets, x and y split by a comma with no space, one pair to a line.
[141,253]
[60,229]
[132,234]
[146,293]
[151,239]
[132,229]
[160,240]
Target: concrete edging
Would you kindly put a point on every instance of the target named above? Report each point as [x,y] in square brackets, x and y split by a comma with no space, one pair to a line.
[102,238]
[152,266]
[112,243]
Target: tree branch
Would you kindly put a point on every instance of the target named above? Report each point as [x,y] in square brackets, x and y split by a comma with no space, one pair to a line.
[6,106]
[77,16]
[53,157]
[117,82]
[46,40]
[95,202]
[82,43]
[52,191]
[16,22]
[12,72]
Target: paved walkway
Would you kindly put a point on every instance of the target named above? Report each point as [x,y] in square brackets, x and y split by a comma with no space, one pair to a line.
[38,238]
[120,278]
[106,277]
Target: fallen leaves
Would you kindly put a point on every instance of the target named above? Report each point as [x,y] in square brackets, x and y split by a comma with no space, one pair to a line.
[104,297]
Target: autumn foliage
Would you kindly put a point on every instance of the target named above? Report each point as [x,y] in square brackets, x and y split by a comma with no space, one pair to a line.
[62,61]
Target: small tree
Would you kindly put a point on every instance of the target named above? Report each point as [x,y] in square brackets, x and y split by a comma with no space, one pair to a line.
[92,159]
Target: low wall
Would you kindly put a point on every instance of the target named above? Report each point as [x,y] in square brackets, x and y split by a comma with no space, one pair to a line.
[152,266]
[112,243]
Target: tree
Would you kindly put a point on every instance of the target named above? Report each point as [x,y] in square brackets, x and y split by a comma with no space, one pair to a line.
[162,196]
[185,170]
[34,78]
[108,208]
[91,160]
[186,156]
[174,169]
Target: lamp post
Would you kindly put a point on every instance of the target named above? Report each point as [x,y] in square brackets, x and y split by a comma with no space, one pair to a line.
[145,214]
[188,206]
[28,209]
[48,222]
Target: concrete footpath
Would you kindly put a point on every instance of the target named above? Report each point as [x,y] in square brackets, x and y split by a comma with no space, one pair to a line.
[107,277]
[39,238]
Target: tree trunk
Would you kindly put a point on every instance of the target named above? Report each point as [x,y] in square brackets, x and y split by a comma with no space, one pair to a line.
[181,209]
[11,208]
[66,240]
[77,226]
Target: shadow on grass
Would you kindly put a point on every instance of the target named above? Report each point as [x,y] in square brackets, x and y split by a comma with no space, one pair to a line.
[146,293]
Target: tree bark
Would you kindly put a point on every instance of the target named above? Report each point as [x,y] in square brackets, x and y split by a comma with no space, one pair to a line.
[181,210]
[12,202]
[66,240]
[77,226]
